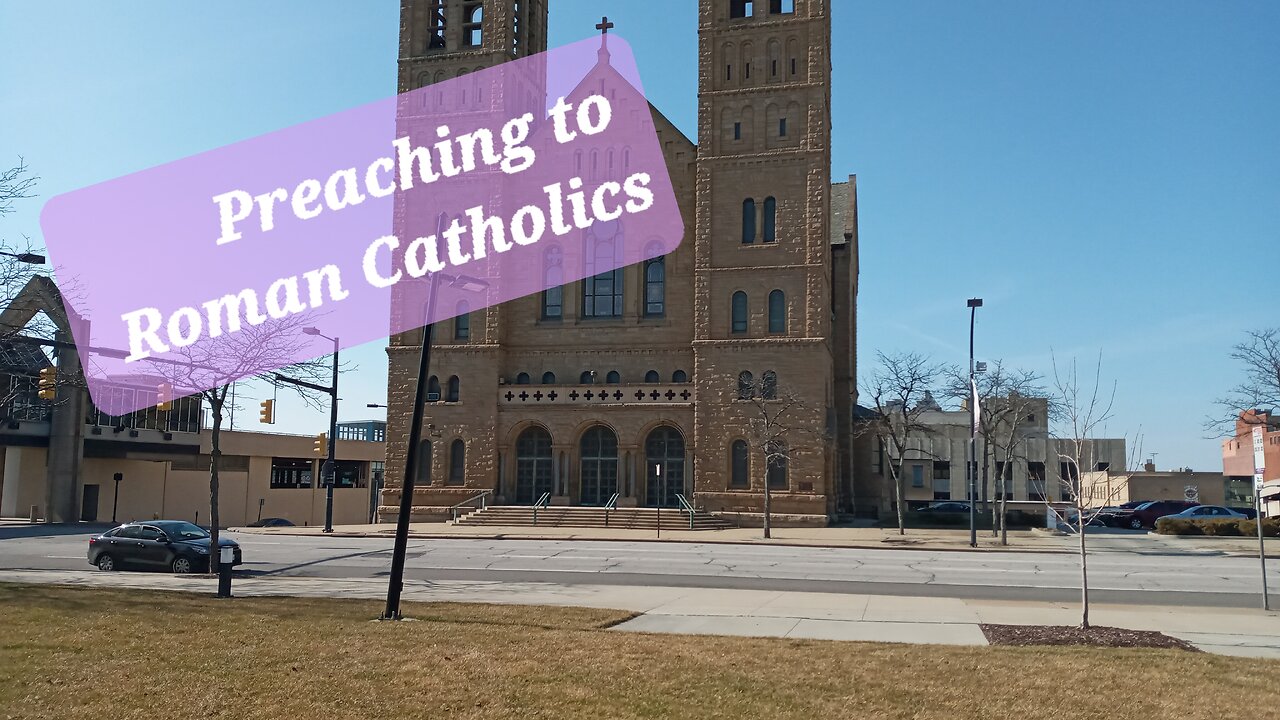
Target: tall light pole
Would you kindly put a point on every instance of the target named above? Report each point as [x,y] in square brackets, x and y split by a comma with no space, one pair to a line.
[395,583]
[974,304]
[329,470]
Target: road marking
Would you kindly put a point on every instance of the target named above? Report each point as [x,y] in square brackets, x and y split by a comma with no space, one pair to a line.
[65,557]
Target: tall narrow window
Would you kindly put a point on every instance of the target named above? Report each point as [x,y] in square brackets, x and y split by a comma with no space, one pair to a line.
[462,323]
[457,462]
[782,127]
[473,31]
[655,287]
[740,462]
[737,131]
[553,296]
[776,465]
[602,291]
[770,219]
[782,7]
[548,378]
[777,312]
[739,311]
[748,221]
[435,34]
[746,385]
[423,474]
[769,385]
[433,389]
[740,8]
[455,388]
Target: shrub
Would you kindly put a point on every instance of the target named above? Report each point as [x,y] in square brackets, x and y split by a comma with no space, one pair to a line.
[1270,527]
[1178,526]
[1227,527]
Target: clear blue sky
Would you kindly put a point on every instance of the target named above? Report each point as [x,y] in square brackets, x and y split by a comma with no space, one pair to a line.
[1106,175]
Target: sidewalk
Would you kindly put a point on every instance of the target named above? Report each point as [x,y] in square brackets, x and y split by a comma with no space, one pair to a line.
[837,537]
[824,616]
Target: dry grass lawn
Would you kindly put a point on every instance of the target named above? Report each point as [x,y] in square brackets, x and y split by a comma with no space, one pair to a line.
[70,653]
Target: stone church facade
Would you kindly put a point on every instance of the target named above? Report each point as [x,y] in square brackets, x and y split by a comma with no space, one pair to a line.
[653,380]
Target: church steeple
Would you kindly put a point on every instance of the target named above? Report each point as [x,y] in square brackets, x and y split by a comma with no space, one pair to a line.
[442,39]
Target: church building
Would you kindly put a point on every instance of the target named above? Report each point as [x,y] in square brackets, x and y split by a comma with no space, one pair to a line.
[692,379]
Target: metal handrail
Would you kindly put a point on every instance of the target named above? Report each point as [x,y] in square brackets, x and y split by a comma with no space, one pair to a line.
[543,501]
[686,507]
[611,505]
[481,497]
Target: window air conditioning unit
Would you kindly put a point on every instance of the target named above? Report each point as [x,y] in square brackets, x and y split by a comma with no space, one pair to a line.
[433,397]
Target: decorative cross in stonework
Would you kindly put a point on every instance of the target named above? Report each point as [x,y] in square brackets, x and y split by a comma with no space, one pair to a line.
[617,394]
[524,396]
[573,395]
[670,395]
[605,26]
[653,395]
[552,396]
[684,395]
[510,395]
[588,395]
[639,394]
[538,396]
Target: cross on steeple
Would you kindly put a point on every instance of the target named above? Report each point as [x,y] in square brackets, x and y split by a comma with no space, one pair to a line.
[605,26]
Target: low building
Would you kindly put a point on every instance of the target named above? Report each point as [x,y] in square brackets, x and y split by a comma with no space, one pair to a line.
[933,468]
[1209,488]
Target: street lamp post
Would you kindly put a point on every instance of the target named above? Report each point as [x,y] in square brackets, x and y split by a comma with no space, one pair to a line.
[395,583]
[974,304]
[329,470]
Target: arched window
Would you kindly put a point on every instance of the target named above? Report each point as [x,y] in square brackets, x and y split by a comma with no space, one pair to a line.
[776,465]
[746,385]
[586,378]
[770,220]
[548,378]
[679,376]
[433,389]
[655,287]
[553,273]
[522,379]
[740,465]
[777,312]
[602,291]
[748,221]
[423,475]
[473,31]
[613,378]
[457,462]
[652,377]
[462,323]
[739,310]
[769,385]
[435,31]
[455,387]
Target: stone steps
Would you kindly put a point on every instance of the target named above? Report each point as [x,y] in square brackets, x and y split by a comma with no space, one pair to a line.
[592,517]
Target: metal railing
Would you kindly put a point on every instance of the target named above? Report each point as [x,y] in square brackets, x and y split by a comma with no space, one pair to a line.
[609,507]
[466,503]
[543,501]
[686,507]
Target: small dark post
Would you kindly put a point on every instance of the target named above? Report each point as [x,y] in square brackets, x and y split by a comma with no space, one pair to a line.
[226,557]
[115,501]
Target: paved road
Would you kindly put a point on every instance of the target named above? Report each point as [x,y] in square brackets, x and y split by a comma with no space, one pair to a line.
[1154,577]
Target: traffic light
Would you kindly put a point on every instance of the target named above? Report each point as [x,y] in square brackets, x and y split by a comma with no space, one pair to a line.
[322,444]
[268,414]
[164,394]
[48,383]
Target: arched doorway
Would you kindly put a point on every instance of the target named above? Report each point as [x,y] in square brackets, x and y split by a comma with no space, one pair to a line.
[599,465]
[534,474]
[664,466]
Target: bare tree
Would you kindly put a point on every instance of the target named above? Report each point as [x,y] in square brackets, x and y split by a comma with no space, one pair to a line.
[779,419]
[20,262]
[1259,356]
[897,388]
[209,368]
[1008,397]
[1085,407]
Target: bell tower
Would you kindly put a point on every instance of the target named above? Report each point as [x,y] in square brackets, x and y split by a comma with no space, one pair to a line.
[446,38]
[764,268]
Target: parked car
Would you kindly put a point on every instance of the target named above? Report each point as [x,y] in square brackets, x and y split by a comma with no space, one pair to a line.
[945,507]
[1251,513]
[1146,514]
[1121,515]
[175,545]
[271,522]
[1207,511]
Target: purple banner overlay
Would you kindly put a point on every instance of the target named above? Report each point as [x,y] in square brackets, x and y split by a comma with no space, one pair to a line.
[441,201]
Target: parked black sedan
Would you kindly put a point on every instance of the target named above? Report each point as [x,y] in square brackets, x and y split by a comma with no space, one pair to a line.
[175,545]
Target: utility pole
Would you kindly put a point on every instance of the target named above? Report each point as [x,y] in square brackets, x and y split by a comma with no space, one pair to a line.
[974,304]
[329,469]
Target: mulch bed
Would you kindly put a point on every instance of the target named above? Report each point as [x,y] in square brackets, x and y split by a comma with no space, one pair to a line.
[1071,635]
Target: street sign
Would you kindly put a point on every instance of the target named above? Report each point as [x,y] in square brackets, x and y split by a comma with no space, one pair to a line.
[1259,459]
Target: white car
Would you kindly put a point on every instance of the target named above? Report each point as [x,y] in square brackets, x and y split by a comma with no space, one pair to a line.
[1208,511]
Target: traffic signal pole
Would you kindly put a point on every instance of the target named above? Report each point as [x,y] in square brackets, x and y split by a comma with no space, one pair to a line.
[330,470]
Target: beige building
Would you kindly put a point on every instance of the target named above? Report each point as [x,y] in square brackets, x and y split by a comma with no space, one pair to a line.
[579,395]
[934,467]
[1209,488]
